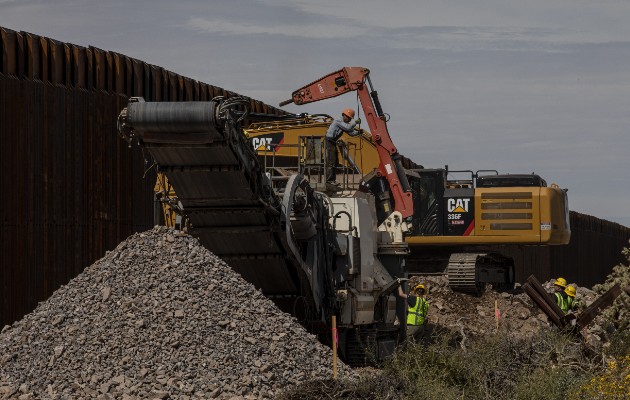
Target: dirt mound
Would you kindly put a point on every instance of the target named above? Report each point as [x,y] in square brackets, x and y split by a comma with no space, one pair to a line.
[515,312]
[158,317]
[476,315]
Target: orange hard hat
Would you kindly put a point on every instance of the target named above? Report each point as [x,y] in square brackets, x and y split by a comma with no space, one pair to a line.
[349,112]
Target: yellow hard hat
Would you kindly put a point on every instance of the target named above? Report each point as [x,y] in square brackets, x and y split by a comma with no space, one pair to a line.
[570,291]
[420,287]
[561,282]
[349,112]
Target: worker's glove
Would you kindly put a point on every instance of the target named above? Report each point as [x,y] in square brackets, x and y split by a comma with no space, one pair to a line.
[358,121]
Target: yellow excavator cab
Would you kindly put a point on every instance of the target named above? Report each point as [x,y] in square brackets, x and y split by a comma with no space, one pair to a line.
[277,142]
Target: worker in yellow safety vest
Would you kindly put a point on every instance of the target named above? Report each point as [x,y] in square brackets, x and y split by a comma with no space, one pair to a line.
[417,309]
[559,294]
[571,302]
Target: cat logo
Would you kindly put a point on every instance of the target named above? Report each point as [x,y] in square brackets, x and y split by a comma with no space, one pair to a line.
[270,142]
[457,205]
[261,143]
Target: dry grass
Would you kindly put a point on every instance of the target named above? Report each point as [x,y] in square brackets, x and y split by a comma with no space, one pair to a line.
[495,367]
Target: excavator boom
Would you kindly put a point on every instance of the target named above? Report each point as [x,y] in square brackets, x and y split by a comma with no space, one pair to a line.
[357,79]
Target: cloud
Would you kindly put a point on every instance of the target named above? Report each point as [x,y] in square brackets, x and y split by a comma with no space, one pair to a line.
[314,31]
[605,17]
[449,38]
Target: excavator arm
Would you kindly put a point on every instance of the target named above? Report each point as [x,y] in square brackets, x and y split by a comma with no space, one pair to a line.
[349,79]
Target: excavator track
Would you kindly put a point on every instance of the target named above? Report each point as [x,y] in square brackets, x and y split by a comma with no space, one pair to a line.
[462,272]
[221,189]
[471,272]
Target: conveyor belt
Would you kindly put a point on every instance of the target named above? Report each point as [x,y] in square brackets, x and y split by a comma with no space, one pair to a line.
[216,176]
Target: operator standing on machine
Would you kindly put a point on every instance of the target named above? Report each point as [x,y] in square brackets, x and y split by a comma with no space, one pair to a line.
[335,130]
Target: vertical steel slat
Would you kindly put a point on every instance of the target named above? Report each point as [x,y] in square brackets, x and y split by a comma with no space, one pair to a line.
[78,67]
[156,83]
[128,76]
[203,92]
[57,57]
[9,48]
[138,81]
[3,57]
[5,282]
[119,73]
[45,62]
[196,93]
[166,87]
[33,57]
[188,89]
[20,56]
[99,65]
[57,186]
[67,66]
[146,81]
[172,86]
[109,72]
[179,81]
[90,71]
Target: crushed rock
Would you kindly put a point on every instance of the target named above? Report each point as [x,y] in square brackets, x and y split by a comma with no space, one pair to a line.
[159,317]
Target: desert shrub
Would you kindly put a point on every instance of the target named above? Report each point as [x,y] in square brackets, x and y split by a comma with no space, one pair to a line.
[614,381]
[612,384]
[618,315]
[619,345]
[546,366]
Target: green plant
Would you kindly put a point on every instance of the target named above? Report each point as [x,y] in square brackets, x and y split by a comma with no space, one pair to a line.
[618,315]
[612,384]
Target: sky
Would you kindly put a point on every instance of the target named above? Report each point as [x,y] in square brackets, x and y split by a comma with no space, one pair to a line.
[539,86]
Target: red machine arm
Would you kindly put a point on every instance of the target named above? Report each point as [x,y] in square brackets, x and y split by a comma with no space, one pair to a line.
[357,78]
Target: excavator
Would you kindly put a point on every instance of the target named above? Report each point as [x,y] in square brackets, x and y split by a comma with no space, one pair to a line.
[452,218]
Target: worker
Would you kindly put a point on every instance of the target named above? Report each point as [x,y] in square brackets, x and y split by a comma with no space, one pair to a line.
[559,295]
[335,130]
[417,309]
[571,303]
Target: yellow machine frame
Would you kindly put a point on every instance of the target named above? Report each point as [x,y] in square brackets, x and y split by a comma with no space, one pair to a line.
[506,215]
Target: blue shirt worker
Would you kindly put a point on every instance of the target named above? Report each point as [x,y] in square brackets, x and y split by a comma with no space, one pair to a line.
[335,131]
[417,309]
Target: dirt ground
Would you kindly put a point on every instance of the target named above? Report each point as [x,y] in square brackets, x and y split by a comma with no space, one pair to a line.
[512,311]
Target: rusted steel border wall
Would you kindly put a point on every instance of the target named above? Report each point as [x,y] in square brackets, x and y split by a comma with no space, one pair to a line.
[72,189]
[594,249]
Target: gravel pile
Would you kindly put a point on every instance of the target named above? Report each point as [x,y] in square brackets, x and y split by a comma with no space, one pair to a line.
[159,317]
